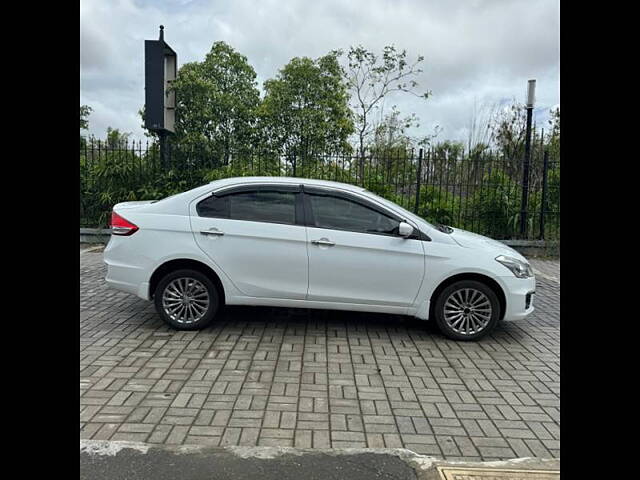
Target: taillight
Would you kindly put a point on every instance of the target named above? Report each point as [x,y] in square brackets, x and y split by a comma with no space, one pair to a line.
[122,226]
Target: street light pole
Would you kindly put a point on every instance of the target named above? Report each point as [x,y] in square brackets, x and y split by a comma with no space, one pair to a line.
[531,92]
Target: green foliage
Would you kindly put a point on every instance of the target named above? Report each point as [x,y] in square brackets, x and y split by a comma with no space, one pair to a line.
[116,139]
[509,129]
[113,180]
[85,111]
[391,133]
[217,100]
[308,113]
[438,206]
[553,203]
[496,205]
[372,78]
[305,108]
[489,204]
[554,136]
[553,186]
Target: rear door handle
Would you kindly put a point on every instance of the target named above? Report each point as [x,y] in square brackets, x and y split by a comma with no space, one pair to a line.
[323,241]
[212,231]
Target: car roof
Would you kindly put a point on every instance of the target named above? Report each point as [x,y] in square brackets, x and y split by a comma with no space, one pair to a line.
[289,180]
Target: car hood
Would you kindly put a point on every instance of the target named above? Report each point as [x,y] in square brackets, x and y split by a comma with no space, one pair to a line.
[473,240]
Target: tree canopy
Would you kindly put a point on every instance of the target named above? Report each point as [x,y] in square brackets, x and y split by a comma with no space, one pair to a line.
[372,78]
[305,108]
[85,110]
[217,101]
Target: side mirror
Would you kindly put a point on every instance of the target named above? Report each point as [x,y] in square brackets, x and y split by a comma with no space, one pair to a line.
[404,229]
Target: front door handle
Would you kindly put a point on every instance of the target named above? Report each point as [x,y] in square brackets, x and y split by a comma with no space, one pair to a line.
[323,241]
[212,231]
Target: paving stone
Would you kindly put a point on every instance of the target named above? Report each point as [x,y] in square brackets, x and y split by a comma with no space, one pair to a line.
[319,379]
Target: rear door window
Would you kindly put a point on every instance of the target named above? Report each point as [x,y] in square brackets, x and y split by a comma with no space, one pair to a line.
[252,205]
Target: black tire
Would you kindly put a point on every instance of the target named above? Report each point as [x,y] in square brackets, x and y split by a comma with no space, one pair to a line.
[448,330]
[211,309]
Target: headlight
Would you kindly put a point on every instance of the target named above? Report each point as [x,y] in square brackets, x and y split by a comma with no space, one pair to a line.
[519,268]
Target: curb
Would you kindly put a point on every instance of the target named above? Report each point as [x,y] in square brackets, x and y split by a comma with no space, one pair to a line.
[103,457]
[94,235]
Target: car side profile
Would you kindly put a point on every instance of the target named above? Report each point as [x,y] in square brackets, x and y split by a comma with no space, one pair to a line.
[301,243]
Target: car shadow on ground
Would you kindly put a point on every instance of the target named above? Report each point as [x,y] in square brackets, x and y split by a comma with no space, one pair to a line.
[348,318]
[241,316]
[231,316]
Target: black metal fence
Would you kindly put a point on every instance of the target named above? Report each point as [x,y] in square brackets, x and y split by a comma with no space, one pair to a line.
[480,191]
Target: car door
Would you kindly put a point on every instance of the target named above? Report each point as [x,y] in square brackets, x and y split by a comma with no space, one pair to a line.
[355,252]
[256,235]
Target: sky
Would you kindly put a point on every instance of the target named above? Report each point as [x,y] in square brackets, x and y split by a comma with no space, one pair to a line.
[479,54]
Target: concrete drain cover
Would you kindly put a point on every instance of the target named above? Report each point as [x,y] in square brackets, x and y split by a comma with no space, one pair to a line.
[453,473]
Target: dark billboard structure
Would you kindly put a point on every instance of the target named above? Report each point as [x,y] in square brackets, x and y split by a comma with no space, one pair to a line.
[160,69]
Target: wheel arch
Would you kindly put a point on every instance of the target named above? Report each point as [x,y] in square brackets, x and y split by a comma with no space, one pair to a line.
[479,277]
[180,263]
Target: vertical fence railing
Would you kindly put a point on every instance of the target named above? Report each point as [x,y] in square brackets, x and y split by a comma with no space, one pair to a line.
[479,191]
[543,199]
[418,182]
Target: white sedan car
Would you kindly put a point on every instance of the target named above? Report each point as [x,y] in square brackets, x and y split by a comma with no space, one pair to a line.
[293,242]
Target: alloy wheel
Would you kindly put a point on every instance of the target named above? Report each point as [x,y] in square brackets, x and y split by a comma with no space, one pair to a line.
[467,311]
[185,300]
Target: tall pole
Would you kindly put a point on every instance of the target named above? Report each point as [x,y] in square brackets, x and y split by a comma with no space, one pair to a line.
[163,149]
[162,133]
[527,159]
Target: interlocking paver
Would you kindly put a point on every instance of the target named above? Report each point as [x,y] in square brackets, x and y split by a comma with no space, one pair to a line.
[319,379]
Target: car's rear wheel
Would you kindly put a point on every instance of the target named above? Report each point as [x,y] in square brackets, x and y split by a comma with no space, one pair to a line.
[467,310]
[187,299]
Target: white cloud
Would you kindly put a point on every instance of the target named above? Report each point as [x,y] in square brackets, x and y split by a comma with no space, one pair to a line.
[476,52]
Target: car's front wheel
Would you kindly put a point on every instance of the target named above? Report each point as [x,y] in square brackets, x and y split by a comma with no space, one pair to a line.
[467,310]
[186,299]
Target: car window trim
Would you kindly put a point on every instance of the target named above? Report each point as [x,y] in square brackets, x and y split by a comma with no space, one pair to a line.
[303,213]
[274,187]
[308,190]
[264,187]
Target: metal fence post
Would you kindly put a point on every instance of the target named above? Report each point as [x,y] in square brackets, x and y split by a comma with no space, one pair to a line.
[543,200]
[360,171]
[163,150]
[527,159]
[525,179]
[419,179]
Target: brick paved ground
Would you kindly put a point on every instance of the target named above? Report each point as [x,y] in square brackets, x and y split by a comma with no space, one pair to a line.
[319,379]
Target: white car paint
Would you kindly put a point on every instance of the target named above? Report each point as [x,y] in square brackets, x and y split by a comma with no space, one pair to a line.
[278,265]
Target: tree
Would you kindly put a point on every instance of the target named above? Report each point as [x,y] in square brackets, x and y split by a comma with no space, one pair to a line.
[554,136]
[116,139]
[85,111]
[371,80]
[480,123]
[305,110]
[392,132]
[216,102]
[508,129]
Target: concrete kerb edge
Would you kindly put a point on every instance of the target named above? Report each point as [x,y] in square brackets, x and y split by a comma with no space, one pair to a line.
[423,465]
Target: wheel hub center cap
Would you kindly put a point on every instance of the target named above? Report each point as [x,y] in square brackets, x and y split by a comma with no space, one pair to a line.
[467,311]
